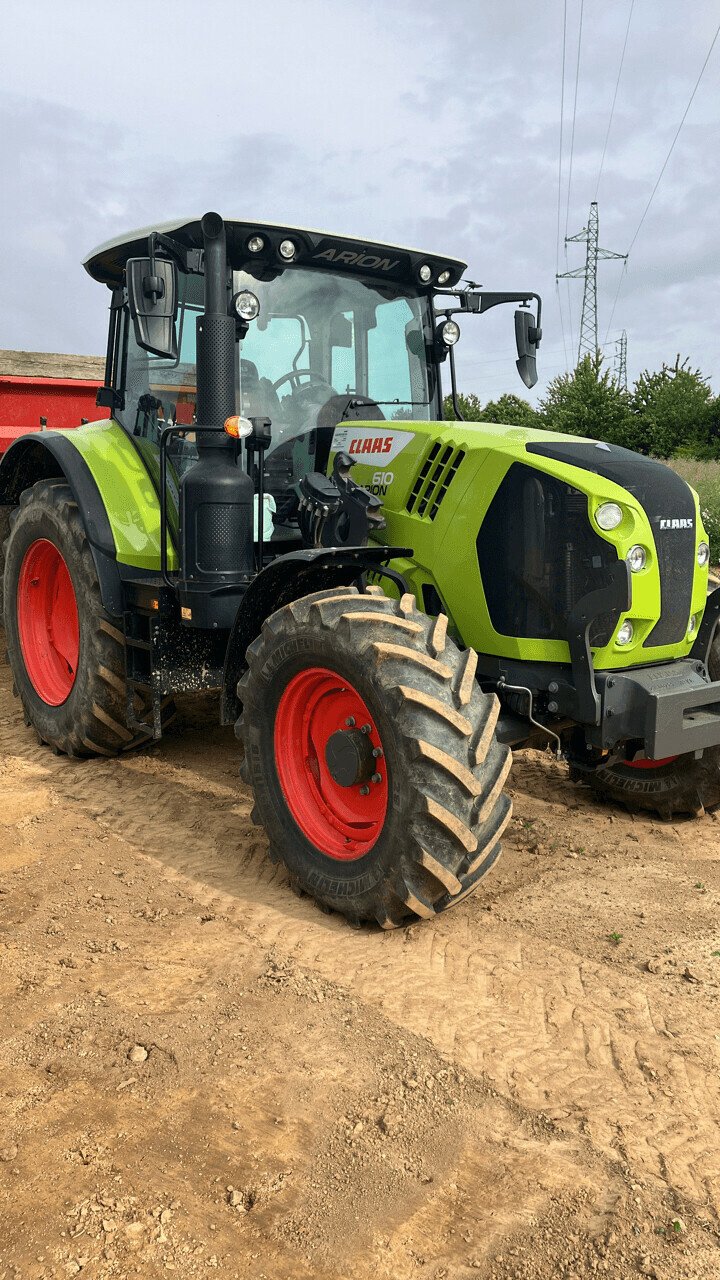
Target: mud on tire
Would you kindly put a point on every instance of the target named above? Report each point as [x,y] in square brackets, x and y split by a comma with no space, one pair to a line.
[445,770]
[92,719]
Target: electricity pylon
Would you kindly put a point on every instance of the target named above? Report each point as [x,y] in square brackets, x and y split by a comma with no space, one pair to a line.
[589,321]
[621,360]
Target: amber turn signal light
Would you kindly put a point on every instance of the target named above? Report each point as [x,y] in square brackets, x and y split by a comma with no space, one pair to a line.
[239,428]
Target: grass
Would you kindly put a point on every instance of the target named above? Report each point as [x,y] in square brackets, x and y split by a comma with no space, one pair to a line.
[705,478]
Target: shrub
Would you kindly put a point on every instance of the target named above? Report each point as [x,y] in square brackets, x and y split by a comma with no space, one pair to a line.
[705,479]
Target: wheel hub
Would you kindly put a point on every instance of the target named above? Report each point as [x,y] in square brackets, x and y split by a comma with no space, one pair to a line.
[349,757]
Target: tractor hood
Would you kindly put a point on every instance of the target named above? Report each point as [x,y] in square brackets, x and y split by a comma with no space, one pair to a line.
[514,526]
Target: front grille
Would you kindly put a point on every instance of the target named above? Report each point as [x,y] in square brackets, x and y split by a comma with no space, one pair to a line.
[434,479]
[539,555]
[666,499]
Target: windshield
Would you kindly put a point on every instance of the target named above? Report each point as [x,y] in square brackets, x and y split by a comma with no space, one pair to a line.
[321,342]
[325,348]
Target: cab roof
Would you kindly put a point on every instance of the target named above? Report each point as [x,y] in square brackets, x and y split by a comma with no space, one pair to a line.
[314,248]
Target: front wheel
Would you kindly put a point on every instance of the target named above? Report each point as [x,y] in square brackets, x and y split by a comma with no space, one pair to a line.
[372,755]
[681,785]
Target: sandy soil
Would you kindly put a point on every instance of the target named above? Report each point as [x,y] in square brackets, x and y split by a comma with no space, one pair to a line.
[201,1073]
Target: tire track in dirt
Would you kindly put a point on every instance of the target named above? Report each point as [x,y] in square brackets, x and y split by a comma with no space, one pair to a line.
[570,1038]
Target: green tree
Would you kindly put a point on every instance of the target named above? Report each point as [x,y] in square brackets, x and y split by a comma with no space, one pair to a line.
[469,405]
[674,412]
[588,402]
[512,410]
[509,409]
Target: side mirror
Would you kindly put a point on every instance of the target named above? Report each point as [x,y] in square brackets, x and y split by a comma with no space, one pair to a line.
[527,339]
[152,288]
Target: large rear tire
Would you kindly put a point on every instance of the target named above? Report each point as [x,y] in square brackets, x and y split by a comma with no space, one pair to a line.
[67,654]
[679,786]
[371,751]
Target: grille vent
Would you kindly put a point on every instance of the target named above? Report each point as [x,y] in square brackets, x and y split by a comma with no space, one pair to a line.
[434,480]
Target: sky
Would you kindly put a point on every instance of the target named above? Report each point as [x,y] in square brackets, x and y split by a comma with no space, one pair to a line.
[408,121]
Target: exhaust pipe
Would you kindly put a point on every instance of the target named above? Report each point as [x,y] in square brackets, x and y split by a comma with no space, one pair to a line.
[216,494]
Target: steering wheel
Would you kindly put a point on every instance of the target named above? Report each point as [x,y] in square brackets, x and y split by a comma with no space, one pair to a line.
[293,377]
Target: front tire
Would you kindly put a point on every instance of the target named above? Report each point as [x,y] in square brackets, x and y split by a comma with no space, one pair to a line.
[372,755]
[679,786]
[67,654]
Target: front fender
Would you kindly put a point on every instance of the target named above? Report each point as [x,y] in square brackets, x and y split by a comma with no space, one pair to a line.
[299,573]
[42,457]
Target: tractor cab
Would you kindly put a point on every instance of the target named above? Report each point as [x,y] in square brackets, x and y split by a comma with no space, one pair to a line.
[327,329]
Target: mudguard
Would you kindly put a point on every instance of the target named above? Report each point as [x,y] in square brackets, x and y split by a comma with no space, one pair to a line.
[299,573]
[41,457]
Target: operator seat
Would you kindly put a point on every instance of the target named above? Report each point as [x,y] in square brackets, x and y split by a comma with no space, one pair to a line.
[258,397]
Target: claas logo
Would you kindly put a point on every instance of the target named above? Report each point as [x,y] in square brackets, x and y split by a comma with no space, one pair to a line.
[370,444]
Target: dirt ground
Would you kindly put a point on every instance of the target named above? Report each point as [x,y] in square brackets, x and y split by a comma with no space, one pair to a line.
[201,1073]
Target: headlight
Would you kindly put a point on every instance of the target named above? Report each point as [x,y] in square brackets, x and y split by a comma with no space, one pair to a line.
[703,554]
[256,244]
[608,516]
[425,273]
[626,633]
[287,250]
[246,305]
[692,625]
[443,277]
[636,558]
[450,333]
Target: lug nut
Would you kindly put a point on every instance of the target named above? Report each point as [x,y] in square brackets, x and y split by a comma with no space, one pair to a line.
[377,777]
[378,752]
[364,791]
[350,722]
[365,728]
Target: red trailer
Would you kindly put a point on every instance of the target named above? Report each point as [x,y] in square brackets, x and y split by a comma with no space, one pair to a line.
[42,390]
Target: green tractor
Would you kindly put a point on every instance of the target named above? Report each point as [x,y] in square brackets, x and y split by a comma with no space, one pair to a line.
[387,602]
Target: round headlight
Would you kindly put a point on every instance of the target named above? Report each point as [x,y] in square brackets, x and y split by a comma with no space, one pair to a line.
[626,633]
[692,625]
[443,277]
[256,244]
[246,305]
[608,516]
[636,558]
[703,554]
[425,273]
[450,333]
[287,250]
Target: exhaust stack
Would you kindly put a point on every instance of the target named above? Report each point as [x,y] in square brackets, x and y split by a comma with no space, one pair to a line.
[216,494]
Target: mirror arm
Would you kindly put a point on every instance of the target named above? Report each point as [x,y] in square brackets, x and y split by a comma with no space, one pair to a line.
[453,387]
[474,300]
[188,260]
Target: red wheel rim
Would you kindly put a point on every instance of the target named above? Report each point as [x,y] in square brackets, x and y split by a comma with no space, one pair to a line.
[343,822]
[649,764]
[48,622]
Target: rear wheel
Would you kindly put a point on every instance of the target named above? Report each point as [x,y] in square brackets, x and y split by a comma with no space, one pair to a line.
[66,652]
[372,755]
[678,785]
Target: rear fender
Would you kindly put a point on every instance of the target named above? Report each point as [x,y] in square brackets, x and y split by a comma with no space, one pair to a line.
[32,458]
[299,573]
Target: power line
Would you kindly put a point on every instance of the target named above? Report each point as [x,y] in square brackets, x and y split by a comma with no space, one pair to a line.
[560,149]
[562,320]
[623,273]
[677,135]
[575,101]
[612,109]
